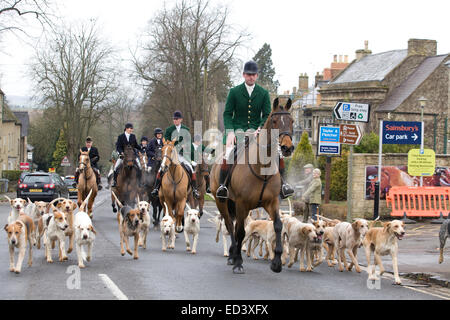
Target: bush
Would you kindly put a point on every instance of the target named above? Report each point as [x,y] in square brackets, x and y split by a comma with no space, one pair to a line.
[11,175]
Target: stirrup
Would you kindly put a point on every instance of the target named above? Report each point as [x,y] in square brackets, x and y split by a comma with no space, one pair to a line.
[286,191]
[196,194]
[154,193]
[222,192]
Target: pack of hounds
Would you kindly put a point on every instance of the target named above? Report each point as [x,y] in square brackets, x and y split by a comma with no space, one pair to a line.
[316,241]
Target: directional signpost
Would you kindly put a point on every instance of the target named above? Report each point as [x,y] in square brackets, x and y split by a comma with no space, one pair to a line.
[351,111]
[350,134]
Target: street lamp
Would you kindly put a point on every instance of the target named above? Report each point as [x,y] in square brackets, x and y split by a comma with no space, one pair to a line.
[422,102]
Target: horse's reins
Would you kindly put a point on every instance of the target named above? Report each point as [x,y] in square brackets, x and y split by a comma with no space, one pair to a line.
[266,178]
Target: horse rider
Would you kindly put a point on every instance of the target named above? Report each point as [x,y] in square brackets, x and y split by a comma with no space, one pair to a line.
[145,147]
[247,108]
[154,144]
[172,132]
[197,150]
[126,138]
[93,157]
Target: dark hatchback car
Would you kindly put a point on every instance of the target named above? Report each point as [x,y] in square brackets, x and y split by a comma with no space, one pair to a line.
[41,186]
[71,185]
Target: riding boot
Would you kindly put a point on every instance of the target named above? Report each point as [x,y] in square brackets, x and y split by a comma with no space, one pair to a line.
[77,175]
[194,186]
[114,179]
[99,180]
[155,191]
[222,191]
[286,189]
[208,189]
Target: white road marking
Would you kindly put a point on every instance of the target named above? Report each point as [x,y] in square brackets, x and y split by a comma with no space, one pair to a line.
[112,287]
[390,276]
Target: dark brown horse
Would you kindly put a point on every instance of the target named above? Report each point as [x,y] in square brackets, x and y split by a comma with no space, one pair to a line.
[127,182]
[252,185]
[201,171]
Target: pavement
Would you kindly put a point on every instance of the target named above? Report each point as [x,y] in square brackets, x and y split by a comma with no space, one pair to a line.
[178,275]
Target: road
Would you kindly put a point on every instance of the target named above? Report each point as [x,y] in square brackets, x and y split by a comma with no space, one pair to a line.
[177,274]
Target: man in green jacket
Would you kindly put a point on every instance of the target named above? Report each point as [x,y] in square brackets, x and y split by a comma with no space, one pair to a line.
[247,108]
[177,131]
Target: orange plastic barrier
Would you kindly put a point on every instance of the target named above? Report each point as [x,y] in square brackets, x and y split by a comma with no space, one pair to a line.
[419,201]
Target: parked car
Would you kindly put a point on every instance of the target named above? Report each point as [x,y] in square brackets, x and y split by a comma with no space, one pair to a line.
[71,185]
[41,186]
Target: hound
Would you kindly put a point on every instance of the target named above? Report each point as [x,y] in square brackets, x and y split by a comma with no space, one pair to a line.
[67,207]
[84,233]
[383,241]
[17,205]
[219,223]
[167,226]
[55,226]
[36,211]
[299,236]
[264,230]
[349,236]
[191,226]
[144,216]
[129,226]
[18,233]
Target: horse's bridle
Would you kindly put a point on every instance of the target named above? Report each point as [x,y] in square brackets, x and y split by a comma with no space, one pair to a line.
[282,133]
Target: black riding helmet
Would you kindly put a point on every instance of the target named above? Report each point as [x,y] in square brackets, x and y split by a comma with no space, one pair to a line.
[157,130]
[144,139]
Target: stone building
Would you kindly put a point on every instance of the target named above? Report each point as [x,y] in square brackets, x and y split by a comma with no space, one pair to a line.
[10,138]
[392,82]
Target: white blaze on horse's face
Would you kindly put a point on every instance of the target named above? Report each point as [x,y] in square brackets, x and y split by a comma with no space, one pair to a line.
[163,163]
[83,161]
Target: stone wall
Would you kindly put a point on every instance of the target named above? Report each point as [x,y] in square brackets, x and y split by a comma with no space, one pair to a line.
[362,208]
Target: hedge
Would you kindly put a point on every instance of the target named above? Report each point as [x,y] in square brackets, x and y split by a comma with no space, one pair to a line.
[11,175]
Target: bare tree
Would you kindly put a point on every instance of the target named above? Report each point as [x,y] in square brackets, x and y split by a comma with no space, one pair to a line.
[14,14]
[75,74]
[183,41]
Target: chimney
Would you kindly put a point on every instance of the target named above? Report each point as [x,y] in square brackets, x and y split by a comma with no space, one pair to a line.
[335,58]
[422,47]
[340,58]
[361,53]
[294,90]
[303,82]
[318,78]
[346,58]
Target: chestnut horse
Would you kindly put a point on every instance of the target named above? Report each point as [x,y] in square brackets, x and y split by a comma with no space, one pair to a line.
[87,181]
[175,185]
[251,185]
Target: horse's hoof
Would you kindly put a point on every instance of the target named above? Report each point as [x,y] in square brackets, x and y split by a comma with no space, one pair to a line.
[238,269]
[276,266]
[114,210]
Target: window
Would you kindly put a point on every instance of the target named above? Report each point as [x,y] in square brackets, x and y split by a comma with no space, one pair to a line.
[37,179]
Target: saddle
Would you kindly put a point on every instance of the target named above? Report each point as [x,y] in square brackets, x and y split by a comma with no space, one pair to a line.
[188,170]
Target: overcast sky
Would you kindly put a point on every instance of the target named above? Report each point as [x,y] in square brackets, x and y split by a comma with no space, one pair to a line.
[303,35]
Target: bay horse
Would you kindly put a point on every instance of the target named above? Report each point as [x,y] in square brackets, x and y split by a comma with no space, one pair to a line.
[127,180]
[250,186]
[87,181]
[201,171]
[149,178]
[175,185]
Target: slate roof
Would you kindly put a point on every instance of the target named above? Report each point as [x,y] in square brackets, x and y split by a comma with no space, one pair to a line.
[405,89]
[373,67]
[24,120]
